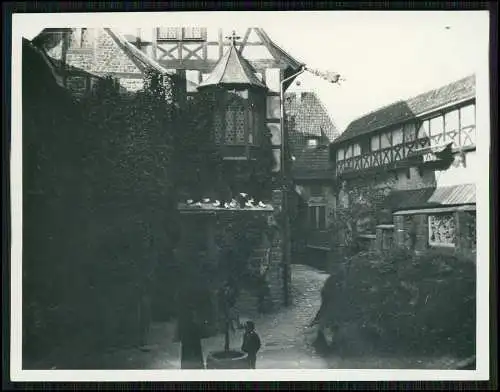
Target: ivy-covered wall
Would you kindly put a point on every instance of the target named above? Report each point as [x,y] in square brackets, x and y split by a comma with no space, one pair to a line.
[243,247]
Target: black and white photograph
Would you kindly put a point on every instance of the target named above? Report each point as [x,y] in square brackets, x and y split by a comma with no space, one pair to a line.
[250,196]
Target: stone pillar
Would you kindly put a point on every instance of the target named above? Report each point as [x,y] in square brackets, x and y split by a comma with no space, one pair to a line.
[422,232]
[280,251]
[463,242]
[399,231]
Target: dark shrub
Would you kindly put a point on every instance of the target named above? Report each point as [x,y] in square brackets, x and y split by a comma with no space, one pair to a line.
[420,303]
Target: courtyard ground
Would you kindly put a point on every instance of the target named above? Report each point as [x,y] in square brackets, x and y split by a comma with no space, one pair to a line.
[286,340]
[284,334]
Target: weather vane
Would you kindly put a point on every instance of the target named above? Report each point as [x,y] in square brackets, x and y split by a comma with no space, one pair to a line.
[233,37]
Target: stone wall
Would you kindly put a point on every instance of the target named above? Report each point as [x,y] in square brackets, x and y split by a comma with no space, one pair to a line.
[103,57]
[198,246]
[412,231]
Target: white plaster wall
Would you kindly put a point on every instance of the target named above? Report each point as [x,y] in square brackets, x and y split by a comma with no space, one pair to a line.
[457,174]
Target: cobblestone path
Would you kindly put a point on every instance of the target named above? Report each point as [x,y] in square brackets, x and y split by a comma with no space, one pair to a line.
[286,340]
[283,334]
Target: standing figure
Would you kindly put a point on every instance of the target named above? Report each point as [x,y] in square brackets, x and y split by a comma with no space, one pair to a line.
[251,343]
[190,336]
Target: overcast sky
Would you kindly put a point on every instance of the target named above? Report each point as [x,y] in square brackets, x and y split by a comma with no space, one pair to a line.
[384,56]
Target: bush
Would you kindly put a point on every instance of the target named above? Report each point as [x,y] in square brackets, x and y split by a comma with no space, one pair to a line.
[419,303]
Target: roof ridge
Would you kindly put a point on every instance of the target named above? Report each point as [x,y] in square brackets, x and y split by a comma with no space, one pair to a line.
[416,105]
[244,64]
[412,97]
[228,56]
[268,41]
[131,50]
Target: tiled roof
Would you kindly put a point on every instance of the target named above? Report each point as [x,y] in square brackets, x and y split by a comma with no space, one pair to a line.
[401,111]
[134,53]
[312,163]
[309,118]
[232,68]
[432,197]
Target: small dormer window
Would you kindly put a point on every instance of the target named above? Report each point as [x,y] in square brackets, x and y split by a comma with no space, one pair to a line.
[312,142]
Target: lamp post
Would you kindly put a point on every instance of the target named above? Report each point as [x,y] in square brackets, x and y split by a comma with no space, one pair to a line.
[331,77]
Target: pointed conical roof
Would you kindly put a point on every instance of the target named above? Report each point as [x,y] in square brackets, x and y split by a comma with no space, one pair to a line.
[232,68]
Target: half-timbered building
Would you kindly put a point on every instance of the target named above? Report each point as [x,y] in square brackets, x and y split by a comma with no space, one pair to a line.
[311,130]
[81,56]
[419,157]
[244,69]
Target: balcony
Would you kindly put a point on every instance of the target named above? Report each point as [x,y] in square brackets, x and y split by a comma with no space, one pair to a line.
[408,153]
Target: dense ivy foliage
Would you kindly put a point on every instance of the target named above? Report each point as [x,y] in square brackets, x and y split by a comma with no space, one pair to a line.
[415,303]
[99,212]
[101,181]
[359,210]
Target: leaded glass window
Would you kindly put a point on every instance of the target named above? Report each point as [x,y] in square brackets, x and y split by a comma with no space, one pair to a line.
[169,33]
[192,33]
[239,125]
[218,128]
[442,230]
[230,134]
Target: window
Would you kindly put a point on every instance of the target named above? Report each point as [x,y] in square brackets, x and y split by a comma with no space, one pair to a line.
[386,140]
[423,130]
[81,39]
[235,124]
[317,217]
[409,132]
[375,143]
[468,116]
[436,126]
[192,33]
[451,121]
[348,152]
[239,123]
[180,33]
[442,230]
[397,136]
[218,128]
[340,154]
[467,124]
[312,142]
[169,33]
[356,150]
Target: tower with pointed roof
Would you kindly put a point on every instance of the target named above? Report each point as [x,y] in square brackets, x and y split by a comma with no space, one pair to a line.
[238,121]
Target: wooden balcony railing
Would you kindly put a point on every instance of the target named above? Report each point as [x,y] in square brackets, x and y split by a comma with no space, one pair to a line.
[464,138]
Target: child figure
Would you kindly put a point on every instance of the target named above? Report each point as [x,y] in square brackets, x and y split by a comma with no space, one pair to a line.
[251,343]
